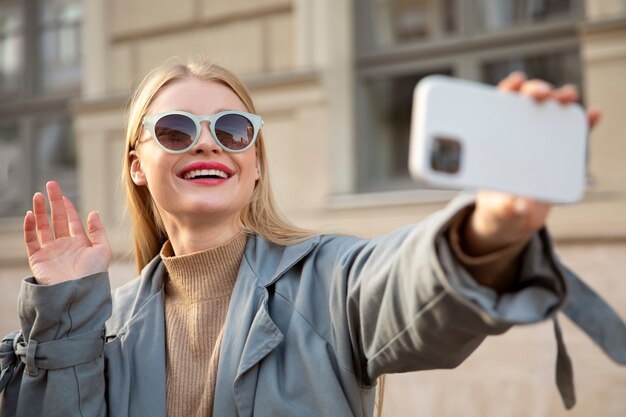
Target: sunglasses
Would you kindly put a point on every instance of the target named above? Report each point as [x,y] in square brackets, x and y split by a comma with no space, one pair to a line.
[178,131]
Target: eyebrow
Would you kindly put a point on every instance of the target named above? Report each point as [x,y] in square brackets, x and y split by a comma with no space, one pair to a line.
[221,109]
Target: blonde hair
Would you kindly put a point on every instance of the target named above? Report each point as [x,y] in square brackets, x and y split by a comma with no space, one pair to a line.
[260,216]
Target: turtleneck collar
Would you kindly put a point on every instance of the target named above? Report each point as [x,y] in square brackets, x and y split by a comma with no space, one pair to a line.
[203,275]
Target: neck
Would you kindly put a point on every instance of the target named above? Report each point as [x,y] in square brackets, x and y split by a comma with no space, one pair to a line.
[186,239]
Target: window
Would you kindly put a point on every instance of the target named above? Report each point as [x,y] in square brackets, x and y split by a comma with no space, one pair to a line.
[386,130]
[59,39]
[39,74]
[400,41]
[403,21]
[493,15]
[54,153]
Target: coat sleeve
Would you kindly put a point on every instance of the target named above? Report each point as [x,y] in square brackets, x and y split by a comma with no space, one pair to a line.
[55,365]
[407,303]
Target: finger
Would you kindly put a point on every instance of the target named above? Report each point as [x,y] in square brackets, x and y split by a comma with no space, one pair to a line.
[594,116]
[566,94]
[538,90]
[57,210]
[513,82]
[96,229]
[525,206]
[41,219]
[74,222]
[30,234]
[533,212]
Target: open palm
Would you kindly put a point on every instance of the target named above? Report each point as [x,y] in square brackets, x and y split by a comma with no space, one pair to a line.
[64,251]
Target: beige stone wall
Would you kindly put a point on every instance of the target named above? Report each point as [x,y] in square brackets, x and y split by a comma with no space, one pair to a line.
[604,53]
[605,9]
[248,37]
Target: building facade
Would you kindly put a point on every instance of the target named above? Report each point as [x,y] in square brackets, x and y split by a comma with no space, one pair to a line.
[333,81]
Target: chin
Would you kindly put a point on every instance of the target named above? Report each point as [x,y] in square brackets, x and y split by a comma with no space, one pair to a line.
[211,208]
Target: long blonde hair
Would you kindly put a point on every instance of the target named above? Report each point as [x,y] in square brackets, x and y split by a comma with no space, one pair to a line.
[260,216]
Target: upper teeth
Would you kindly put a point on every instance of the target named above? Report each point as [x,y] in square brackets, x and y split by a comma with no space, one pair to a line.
[204,173]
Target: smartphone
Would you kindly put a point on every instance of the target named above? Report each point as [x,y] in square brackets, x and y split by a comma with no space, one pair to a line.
[468,135]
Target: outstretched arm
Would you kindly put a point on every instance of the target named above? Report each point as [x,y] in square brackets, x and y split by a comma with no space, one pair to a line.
[414,301]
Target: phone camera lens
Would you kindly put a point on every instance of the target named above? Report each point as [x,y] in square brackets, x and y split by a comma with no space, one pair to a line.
[445,155]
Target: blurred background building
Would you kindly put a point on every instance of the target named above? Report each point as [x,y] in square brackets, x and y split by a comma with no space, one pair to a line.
[333,80]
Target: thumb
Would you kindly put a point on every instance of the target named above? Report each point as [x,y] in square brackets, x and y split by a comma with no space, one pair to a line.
[96,229]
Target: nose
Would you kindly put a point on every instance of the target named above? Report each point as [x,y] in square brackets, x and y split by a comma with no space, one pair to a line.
[206,143]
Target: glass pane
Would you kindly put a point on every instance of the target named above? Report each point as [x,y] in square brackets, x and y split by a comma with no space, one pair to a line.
[10,46]
[12,197]
[59,40]
[60,57]
[501,14]
[557,68]
[55,155]
[71,13]
[450,16]
[402,21]
[51,12]
[10,17]
[385,147]
[10,62]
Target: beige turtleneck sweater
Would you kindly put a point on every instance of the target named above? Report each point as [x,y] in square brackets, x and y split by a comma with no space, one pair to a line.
[197,293]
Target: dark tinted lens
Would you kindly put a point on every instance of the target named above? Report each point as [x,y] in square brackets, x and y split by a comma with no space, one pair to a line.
[175,131]
[234,131]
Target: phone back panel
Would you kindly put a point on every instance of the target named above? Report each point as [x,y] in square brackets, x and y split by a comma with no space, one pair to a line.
[470,135]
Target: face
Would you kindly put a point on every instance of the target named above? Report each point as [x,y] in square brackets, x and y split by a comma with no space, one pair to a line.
[167,176]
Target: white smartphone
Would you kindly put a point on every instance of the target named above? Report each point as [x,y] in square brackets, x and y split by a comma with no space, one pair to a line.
[467,135]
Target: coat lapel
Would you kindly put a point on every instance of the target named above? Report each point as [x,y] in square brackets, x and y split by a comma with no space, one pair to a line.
[262,338]
[250,334]
[139,368]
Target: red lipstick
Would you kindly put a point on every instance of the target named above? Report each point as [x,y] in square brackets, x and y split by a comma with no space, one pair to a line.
[207,173]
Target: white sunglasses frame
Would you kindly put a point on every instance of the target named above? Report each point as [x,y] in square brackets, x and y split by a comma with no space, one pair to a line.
[149,122]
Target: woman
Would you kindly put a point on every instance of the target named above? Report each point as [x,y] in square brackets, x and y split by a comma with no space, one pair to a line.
[299,324]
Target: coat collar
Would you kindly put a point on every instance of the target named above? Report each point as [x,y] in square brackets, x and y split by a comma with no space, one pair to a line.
[270,261]
[267,260]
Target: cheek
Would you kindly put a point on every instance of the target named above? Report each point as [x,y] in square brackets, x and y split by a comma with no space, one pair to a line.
[248,166]
[157,170]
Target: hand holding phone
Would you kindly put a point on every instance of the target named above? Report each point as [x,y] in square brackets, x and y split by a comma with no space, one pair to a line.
[469,135]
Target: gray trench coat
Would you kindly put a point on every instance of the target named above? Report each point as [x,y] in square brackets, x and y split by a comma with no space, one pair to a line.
[309,327]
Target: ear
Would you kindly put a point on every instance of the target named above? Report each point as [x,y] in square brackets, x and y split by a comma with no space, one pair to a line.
[257,174]
[136,170]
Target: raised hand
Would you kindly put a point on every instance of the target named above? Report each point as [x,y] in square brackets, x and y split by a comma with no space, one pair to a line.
[502,219]
[64,251]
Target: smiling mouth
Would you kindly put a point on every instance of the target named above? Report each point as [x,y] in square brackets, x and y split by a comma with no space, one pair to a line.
[205,173]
